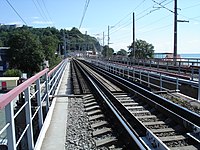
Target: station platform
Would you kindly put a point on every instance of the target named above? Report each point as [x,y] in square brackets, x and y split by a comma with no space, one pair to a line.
[53,133]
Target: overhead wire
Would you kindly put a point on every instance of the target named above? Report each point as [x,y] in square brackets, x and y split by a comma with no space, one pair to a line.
[127,23]
[16,12]
[84,12]
[191,6]
[42,10]
[115,25]
[39,10]
[130,12]
[47,11]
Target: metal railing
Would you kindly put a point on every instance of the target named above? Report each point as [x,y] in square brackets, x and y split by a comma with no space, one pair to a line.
[146,76]
[25,108]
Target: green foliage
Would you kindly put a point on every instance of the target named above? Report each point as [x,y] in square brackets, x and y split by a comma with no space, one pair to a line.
[107,51]
[49,46]
[122,52]
[1,43]
[12,73]
[29,47]
[143,50]
[25,51]
[78,41]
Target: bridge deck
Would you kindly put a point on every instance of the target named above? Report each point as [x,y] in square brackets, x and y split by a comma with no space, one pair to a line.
[53,135]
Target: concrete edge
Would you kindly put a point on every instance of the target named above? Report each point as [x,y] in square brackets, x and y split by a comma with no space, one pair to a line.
[48,118]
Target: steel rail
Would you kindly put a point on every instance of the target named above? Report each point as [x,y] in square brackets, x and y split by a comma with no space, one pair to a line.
[95,83]
[187,118]
[185,113]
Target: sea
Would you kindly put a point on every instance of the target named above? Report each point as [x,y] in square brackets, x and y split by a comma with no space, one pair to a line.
[190,56]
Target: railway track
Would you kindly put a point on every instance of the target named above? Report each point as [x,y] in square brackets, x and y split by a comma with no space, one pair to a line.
[87,125]
[149,121]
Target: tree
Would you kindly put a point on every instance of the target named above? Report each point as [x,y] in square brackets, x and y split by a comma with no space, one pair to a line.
[142,50]
[122,52]
[25,51]
[49,47]
[1,43]
[12,73]
[107,51]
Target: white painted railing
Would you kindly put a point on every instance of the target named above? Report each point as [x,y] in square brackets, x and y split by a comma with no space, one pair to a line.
[33,101]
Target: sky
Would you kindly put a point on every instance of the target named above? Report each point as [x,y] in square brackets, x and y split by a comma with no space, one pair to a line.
[154,20]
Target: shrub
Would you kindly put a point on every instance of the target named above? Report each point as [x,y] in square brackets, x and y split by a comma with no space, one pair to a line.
[12,73]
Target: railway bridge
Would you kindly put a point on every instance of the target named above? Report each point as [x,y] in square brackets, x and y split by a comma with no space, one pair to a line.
[96,104]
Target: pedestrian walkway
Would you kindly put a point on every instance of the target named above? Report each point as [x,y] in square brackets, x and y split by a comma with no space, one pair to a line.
[53,134]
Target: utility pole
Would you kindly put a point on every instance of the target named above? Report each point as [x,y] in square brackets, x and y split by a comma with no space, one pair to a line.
[64,43]
[134,34]
[108,36]
[103,38]
[86,44]
[175,31]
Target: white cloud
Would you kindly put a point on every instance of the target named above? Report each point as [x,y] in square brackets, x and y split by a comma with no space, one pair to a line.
[35,17]
[42,22]
[15,22]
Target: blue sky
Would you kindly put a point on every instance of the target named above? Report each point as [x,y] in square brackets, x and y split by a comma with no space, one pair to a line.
[153,24]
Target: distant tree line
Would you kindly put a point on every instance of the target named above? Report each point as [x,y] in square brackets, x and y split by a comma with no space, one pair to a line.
[30,47]
[142,50]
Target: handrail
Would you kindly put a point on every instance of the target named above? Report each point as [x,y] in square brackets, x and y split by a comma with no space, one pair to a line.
[8,97]
[51,71]
[25,100]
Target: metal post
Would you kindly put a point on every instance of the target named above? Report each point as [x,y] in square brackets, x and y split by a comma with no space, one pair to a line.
[40,114]
[108,35]
[175,31]
[160,82]
[133,73]
[28,119]
[177,85]
[148,80]
[128,73]
[192,76]
[64,43]
[103,38]
[11,129]
[140,77]
[134,34]
[199,87]
[167,65]
[47,91]
[150,63]
[179,67]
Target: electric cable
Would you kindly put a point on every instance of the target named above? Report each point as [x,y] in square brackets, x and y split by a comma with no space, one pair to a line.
[16,12]
[84,12]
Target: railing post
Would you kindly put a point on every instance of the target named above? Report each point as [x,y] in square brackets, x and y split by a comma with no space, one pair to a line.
[158,63]
[192,76]
[40,114]
[148,80]
[150,63]
[123,71]
[140,77]
[167,65]
[133,74]
[11,129]
[160,82]
[176,84]
[47,91]
[128,72]
[28,119]
[199,87]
